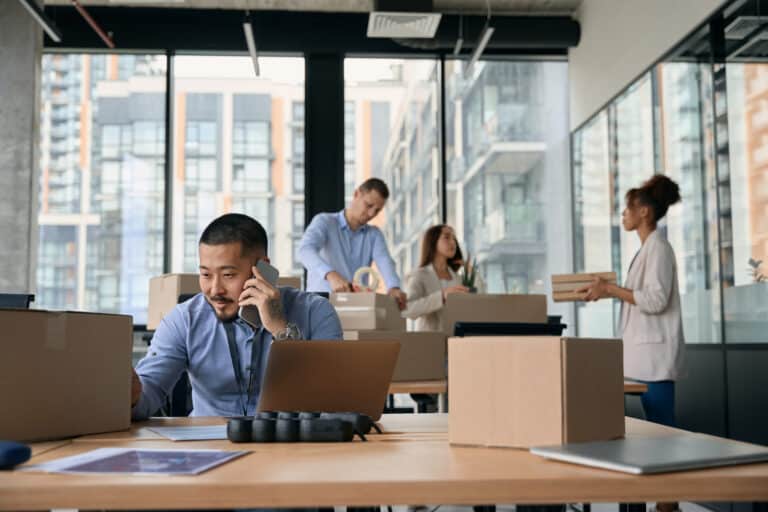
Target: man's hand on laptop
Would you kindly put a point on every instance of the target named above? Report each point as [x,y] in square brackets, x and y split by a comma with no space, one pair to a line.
[135,388]
[337,282]
[399,296]
[258,292]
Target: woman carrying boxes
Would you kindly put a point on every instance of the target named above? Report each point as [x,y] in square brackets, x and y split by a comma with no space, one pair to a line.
[651,320]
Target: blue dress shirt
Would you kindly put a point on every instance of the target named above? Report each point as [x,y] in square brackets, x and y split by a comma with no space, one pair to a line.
[192,338]
[330,244]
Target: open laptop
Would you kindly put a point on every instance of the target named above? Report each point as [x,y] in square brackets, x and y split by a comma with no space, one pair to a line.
[329,376]
[646,455]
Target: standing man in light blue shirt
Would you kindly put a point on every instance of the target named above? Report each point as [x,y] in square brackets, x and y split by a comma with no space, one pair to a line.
[335,245]
[224,356]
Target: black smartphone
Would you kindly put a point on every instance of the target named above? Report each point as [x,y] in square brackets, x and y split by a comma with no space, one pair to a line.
[250,314]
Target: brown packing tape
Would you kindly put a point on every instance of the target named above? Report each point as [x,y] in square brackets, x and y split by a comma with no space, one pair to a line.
[56,332]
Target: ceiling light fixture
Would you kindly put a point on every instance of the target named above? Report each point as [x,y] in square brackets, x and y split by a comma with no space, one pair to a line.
[482,42]
[251,43]
[95,26]
[39,15]
[460,39]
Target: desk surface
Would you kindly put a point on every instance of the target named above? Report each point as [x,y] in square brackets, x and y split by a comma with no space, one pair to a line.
[441,386]
[405,467]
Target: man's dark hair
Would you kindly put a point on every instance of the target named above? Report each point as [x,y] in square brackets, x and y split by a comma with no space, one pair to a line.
[377,185]
[236,227]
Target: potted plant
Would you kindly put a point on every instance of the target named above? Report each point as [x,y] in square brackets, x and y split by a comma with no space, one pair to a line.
[468,273]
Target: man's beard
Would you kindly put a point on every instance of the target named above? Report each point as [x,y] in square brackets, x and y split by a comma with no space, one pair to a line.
[222,317]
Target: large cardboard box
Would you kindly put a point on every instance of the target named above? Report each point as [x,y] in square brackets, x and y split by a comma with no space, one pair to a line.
[422,354]
[164,292]
[64,374]
[290,281]
[540,390]
[564,286]
[469,307]
[365,311]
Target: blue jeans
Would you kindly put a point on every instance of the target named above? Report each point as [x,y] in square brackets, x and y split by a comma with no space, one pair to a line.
[659,402]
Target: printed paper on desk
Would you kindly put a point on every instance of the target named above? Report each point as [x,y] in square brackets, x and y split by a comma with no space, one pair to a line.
[138,462]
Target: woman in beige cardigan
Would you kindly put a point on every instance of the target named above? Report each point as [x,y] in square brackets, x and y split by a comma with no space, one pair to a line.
[651,318]
[429,285]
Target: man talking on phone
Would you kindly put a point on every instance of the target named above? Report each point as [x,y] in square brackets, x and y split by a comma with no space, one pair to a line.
[224,355]
[335,245]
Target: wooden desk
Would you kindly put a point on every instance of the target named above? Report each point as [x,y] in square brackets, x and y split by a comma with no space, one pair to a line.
[441,386]
[393,469]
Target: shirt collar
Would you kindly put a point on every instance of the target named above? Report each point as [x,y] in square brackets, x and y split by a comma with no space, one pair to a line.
[345,225]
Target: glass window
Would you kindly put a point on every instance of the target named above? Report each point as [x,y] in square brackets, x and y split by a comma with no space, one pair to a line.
[687,157]
[506,149]
[389,103]
[592,211]
[634,161]
[96,235]
[744,203]
[243,151]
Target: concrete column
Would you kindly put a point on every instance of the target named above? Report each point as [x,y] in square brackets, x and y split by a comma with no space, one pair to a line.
[20,54]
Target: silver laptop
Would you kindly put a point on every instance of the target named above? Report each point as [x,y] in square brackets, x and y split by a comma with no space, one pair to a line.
[330,376]
[646,455]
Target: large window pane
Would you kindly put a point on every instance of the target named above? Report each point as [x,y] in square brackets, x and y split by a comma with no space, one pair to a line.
[507,152]
[592,209]
[102,181]
[745,208]
[634,161]
[687,158]
[239,148]
[391,112]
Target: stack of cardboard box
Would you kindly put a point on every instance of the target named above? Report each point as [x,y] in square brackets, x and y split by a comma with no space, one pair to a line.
[371,316]
[564,286]
[469,307]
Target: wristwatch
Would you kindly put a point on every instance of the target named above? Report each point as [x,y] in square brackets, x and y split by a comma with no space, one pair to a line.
[291,332]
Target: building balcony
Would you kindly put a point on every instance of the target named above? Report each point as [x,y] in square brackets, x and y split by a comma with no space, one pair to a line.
[519,223]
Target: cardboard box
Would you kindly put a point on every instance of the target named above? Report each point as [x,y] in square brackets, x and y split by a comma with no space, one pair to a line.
[366,311]
[527,391]
[164,294]
[422,354]
[290,281]
[564,286]
[64,374]
[469,307]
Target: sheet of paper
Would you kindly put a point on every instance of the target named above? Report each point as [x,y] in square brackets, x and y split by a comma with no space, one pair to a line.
[197,433]
[138,462]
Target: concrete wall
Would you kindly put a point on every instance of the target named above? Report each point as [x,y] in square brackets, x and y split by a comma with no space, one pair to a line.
[20,53]
[619,40]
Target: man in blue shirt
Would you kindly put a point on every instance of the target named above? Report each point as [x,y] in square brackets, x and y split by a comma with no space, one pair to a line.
[195,336]
[335,245]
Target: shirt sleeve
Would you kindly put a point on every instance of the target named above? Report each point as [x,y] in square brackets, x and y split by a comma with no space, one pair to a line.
[159,370]
[383,260]
[314,239]
[324,323]
[419,302]
[653,295]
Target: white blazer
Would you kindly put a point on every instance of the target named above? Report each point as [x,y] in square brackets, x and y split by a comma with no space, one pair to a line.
[425,297]
[652,330]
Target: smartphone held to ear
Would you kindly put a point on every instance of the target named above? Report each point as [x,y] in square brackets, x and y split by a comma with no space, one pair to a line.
[250,314]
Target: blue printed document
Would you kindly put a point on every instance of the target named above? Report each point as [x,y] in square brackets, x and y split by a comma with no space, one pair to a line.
[138,461]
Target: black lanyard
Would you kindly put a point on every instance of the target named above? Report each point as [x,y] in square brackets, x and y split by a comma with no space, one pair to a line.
[229,328]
